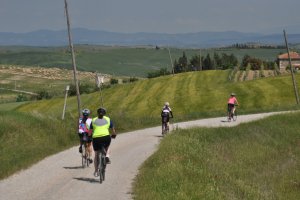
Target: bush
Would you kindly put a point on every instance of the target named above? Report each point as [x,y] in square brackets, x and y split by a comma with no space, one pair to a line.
[161,72]
[43,95]
[21,98]
[113,81]
[83,89]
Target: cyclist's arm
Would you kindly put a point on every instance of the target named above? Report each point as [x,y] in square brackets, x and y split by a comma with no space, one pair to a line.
[113,131]
[171,114]
[236,103]
[90,129]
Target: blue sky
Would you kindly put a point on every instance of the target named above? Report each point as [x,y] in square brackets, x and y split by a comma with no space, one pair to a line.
[156,16]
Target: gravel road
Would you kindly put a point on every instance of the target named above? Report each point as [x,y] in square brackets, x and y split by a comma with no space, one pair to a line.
[60,177]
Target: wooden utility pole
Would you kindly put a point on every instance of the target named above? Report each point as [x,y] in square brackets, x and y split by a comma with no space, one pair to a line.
[200,63]
[292,69]
[172,65]
[65,104]
[99,82]
[73,60]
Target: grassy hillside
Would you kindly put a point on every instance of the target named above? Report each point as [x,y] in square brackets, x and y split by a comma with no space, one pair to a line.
[192,95]
[257,160]
[122,61]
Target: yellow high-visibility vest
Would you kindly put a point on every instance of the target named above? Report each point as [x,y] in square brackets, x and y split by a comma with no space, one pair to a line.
[101,126]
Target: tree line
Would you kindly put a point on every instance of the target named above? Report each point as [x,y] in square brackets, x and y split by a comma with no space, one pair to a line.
[213,62]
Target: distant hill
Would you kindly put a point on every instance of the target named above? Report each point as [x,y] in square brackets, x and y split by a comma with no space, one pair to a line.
[93,37]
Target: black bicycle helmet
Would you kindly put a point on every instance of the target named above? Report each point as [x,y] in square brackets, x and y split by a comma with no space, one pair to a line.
[101,111]
[86,112]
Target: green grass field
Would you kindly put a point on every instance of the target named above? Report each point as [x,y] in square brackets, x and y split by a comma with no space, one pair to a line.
[120,61]
[257,160]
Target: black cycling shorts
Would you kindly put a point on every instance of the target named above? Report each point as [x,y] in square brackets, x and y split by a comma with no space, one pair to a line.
[165,119]
[99,141]
[89,138]
[230,106]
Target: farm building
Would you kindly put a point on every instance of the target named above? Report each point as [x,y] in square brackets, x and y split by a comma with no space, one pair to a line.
[283,60]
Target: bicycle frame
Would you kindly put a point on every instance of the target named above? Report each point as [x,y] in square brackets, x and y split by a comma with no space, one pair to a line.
[232,113]
[165,128]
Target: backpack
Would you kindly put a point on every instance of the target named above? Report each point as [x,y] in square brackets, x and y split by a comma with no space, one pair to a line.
[83,127]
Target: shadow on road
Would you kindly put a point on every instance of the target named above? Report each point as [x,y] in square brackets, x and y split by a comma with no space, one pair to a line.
[224,121]
[91,180]
[76,167]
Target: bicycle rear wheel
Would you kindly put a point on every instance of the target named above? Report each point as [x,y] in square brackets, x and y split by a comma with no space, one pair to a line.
[87,161]
[165,129]
[104,165]
[234,116]
[82,159]
[84,156]
[101,166]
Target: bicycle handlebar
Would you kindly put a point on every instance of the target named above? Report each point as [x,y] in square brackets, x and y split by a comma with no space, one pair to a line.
[113,136]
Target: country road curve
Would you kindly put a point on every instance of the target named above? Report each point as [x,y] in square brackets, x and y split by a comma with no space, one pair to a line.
[60,176]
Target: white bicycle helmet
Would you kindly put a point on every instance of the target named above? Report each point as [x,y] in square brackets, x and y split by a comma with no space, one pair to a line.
[86,112]
[167,104]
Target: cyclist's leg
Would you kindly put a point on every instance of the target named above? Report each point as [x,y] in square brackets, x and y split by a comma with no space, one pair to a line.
[96,161]
[228,111]
[89,152]
[107,152]
[80,142]
[96,148]
[107,141]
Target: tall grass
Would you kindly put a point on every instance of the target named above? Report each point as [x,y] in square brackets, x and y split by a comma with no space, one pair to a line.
[258,160]
[26,139]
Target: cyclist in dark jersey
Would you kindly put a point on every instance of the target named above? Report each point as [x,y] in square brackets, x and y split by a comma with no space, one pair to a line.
[166,114]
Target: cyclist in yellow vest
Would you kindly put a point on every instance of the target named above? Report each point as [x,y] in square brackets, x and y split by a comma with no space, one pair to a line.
[101,135]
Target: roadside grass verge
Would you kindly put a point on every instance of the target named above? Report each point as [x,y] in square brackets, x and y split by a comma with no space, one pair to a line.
[257,160]
[26,139]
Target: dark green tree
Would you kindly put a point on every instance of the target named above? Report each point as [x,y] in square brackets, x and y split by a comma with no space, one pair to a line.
[207,63]
[181,65]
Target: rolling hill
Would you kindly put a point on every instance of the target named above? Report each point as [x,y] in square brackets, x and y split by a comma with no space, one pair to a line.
[93,37]
[192,95]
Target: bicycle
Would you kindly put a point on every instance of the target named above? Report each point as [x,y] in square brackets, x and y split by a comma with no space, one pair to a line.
[233,114]
[85,154]
[165,128]
[101,158]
